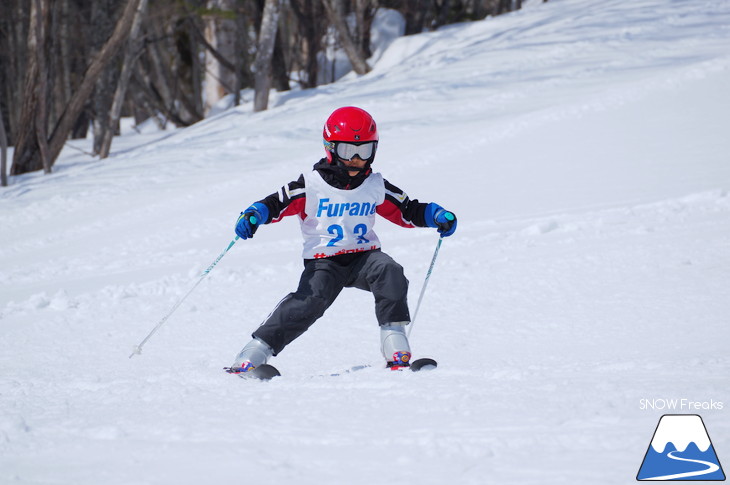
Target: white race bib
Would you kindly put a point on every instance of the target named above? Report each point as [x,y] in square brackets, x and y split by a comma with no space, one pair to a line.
[340,221]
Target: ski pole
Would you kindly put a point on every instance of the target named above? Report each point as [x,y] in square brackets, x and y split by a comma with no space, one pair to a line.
[138,348]
[425,283]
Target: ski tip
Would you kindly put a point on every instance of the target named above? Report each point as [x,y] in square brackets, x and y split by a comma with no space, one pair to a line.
[423,364]
[264,372]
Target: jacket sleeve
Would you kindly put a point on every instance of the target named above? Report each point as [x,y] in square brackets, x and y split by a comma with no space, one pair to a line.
[288,201]
[399,209]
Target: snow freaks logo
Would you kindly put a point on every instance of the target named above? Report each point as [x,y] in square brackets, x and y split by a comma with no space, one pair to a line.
[681,450]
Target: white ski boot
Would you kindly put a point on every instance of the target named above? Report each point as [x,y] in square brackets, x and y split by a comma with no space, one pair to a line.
[394,345]
[255,354]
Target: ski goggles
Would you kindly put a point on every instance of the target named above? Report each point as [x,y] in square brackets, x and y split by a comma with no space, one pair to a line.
[364,150]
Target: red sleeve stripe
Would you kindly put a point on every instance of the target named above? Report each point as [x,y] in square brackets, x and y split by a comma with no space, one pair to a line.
[392,212]
[296,206]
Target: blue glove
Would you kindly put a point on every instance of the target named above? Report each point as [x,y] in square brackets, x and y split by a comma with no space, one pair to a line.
[440,218]
[250,219]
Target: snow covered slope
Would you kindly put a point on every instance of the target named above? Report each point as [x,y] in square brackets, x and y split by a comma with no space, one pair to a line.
[584,146]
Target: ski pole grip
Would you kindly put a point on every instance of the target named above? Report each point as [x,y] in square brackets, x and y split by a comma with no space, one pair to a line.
[450,218]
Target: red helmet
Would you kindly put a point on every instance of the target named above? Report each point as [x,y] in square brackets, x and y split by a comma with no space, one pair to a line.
[348,124]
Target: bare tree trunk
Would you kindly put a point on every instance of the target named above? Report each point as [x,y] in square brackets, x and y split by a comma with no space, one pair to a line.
[63,83]
[220,33]
[365,14]
[242,60]
[279,69]
[155,103]
[103,93]
[131,55]
[415,15]
[197,70]
[180,74]
[3,154]
[13,46]
[43,9]
[160,72]
[354,53]
[30,152]
[144,108]
[308,12]
[73,109]
[264,55]
[442,14]
[27,157]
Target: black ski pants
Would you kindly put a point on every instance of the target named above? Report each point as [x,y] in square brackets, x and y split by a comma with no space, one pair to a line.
[321,283]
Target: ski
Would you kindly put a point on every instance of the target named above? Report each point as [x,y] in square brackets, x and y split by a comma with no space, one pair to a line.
[417,365]
[264,372]
[423,364]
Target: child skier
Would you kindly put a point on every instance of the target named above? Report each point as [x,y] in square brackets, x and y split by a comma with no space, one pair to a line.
[336,203]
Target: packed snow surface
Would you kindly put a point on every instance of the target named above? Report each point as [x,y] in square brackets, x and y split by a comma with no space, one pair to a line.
[584,146]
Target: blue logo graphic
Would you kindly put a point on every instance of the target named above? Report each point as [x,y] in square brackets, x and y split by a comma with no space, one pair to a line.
[681,450]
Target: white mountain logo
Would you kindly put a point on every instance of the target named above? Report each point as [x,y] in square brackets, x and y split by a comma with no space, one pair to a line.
[681,450]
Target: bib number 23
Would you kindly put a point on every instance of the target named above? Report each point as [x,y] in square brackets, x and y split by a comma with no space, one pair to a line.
[339,234]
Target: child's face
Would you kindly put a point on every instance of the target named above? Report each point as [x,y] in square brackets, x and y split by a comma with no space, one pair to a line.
[355,162]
